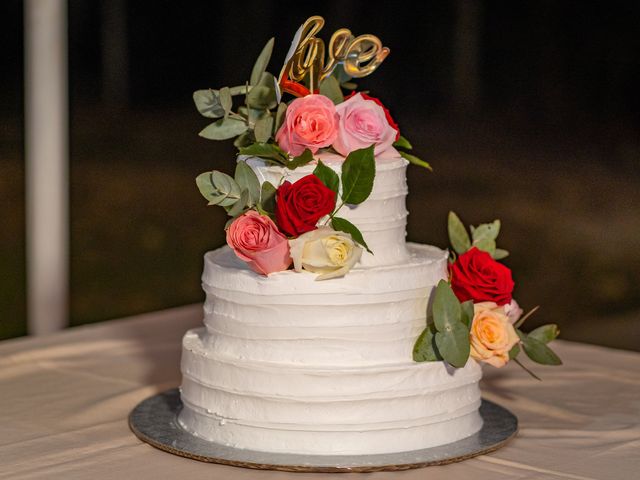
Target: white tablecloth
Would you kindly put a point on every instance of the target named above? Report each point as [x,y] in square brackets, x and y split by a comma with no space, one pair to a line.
[64,402]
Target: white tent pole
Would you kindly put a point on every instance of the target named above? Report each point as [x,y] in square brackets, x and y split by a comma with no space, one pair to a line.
[46,149]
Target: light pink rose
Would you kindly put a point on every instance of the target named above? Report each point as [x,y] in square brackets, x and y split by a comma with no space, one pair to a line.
[310,122]
[255,239]
[363,123]
[513,311]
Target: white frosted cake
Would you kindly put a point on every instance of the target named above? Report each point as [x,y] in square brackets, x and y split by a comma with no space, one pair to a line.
[285,363]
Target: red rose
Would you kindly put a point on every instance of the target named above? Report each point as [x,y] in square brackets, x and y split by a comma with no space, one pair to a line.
[300,205]
[476,276]
[390,119]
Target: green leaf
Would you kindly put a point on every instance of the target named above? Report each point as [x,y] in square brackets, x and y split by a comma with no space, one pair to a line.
[268,197]
[262,97]
[280,115]
[358,173]
[446,307]
[226,187]
[267,80]
[343,225]
[415,160]
[302,159]
[329,87]
[224,129]
[425,350]
[402,143]
[208,103]
[263,128]
[261,63]
[523,318]
[327,176]
[269,151]
[458,236]
[239,206]
[539,352]
[487,230]
[240,90]
[225,100]
[454,344]
[499,254]
[248,180]
[467,313]
[486,244]
[340,74]
[545,333]
[515,350]
[243,140]
[205,185]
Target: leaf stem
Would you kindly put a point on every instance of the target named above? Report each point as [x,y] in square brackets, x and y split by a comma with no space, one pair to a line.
[525,316]
[334,212]
[527,370]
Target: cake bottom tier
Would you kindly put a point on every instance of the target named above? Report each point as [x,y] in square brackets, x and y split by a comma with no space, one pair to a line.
[325,411]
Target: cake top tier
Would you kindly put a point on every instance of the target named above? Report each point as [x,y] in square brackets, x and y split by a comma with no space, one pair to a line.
[320,182]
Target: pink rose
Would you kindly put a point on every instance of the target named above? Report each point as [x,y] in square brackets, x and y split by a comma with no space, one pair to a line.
[311,122]
[363,122]
[255,239]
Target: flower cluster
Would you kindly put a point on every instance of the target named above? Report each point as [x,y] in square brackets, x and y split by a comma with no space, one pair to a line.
[474,313]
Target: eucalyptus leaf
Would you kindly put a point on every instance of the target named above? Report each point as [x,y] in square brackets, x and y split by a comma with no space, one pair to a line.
[239,206]
[280,115]
[539,352]
[268,197]
[545,333]
[358,173]
[226,185]
[500,254]
[267,80]
[302,159]
[262,97]
[467,313]
[402,143]
[515,350]
[487,230]
[340,74]
[263,129]
[415,160]
[446,308]
[224,129]
[269,151]
[208,103]
[248,180]
[261,63]
[458,236]
[243,140]
[240,90]
[329,87]
[425,350]
[327,176]
[343,225]
[205,185]
[485,244]
[225,100]
[454,344]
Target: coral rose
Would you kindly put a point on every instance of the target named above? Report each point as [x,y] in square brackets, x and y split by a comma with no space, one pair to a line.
[492,334]
[363,122]
[300,205]
[255,239]
[310,122]
[325,251]
[476,276]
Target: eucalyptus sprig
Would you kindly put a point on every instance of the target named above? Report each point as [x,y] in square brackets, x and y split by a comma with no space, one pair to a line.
[483,237]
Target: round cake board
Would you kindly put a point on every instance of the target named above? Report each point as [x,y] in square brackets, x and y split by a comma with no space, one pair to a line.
[154,421]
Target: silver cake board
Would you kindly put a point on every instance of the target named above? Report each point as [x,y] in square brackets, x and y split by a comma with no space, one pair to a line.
[154,421]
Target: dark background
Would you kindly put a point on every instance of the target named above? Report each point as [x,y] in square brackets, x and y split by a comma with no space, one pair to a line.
[529,112]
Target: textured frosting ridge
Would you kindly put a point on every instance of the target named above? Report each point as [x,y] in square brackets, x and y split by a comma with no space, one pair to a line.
[287,364]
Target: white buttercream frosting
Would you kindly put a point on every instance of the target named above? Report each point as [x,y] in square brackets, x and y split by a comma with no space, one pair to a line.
[288,364]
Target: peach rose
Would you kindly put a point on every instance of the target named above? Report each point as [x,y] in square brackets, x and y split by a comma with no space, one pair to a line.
[311,122]
[363,123]
[256,239]
[492,334]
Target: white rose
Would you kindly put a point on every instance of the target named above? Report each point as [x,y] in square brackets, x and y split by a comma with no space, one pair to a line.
[324,251]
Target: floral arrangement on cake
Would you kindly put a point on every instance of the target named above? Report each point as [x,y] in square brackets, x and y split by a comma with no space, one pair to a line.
[474,312]
[273,227]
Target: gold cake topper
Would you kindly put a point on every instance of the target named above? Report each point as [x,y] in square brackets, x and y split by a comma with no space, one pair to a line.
[359,56]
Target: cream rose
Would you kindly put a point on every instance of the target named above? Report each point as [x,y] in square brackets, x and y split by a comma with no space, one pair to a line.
[492,334]
[324,251]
